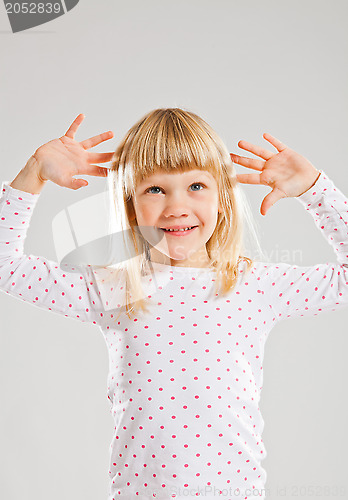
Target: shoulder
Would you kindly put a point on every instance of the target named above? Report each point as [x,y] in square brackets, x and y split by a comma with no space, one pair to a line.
[108,274]
[263,271]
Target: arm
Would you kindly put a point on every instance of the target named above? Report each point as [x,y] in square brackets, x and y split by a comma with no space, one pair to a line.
[299,291]
[36,279]
[307,291]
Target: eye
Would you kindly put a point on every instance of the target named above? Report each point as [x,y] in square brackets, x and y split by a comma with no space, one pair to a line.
[152,187]
[198,184]
[157,187]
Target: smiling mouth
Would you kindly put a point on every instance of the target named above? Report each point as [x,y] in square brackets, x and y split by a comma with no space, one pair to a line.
[175,230]
[179,232]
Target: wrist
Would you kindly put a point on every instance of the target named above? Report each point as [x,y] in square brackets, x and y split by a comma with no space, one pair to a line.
[34,165]
[312,182]
[28,178]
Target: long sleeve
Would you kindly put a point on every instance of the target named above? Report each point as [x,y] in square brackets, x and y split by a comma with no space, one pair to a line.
[307,291]
[38,280]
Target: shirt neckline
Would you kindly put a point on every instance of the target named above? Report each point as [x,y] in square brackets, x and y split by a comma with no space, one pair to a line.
[181,269]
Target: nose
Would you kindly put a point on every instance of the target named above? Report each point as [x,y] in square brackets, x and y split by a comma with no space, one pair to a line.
[176,206]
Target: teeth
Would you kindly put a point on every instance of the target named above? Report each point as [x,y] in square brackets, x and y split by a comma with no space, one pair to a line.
[185,229]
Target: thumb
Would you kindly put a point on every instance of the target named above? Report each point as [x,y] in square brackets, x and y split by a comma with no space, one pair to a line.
[78,183]
[270,200]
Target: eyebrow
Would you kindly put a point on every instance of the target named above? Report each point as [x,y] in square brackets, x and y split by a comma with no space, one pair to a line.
[196,174]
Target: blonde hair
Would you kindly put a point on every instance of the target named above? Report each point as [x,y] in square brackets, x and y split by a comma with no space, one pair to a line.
[174,139]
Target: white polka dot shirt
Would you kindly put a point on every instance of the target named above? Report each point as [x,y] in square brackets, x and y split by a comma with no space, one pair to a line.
[184,381]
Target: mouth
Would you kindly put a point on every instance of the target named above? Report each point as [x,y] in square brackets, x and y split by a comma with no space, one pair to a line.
[179,232]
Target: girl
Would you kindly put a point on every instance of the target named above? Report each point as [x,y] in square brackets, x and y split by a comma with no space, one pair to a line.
[185,373]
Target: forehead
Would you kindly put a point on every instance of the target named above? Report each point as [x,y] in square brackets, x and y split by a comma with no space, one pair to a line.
[185,176]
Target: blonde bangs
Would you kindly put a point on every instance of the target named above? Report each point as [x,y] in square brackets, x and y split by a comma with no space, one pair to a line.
[170,141]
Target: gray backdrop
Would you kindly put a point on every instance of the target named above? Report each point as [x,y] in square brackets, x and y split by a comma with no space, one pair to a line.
[247,67]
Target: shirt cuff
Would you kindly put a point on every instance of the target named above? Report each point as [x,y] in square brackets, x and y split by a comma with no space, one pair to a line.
[315,192]
[10,192]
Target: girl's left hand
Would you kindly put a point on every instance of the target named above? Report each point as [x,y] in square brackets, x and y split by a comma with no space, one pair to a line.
[286,172]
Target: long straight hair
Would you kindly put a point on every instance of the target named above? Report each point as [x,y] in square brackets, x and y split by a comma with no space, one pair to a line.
[177,140]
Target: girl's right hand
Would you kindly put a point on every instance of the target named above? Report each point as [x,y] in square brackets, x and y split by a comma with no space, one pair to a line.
[58,160]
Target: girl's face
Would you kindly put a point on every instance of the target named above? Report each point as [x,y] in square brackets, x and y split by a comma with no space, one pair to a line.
[185,199]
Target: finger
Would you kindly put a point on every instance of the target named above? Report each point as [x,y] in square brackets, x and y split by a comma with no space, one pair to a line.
[74,126]
[270,200]
[275,142]
[97,139]
[100,157]
[96,171]
[247,162]
[249,178]
[256,150]
[263,179]
[77,183]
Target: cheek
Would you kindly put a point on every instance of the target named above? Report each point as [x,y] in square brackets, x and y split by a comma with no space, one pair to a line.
[211,205]
[144,212]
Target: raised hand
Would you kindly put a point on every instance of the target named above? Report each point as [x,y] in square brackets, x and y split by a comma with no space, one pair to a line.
[286,172]
[58,160]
